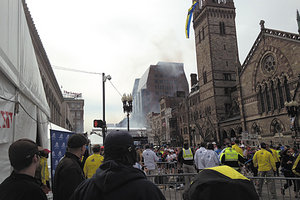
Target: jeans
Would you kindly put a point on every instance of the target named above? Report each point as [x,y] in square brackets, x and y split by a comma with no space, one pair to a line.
[270,182]
[188,179]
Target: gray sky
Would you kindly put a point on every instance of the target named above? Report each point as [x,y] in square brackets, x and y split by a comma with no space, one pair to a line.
[123,38]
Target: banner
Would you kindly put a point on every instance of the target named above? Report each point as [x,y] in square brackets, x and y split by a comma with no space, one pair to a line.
[6,121]
[58,141]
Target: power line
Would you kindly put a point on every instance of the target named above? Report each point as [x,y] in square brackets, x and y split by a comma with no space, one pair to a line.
[115,88]
[86,72]
[74,70]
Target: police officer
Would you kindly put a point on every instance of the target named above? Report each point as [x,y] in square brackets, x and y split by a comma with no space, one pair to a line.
[186,158]
[231,158]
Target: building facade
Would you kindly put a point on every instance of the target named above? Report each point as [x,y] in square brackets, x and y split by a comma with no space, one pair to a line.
[234,98]
[76,107]
[162,79]
[230,100]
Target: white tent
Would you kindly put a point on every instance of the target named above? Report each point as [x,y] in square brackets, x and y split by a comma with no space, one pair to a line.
[24,111]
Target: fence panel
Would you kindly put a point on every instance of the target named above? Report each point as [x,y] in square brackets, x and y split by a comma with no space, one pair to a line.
[172,186]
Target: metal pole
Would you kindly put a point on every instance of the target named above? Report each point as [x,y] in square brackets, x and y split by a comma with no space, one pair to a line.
[103,90]
[128,122]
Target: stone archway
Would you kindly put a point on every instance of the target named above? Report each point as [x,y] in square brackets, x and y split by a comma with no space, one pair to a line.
[255,129]
[276,126]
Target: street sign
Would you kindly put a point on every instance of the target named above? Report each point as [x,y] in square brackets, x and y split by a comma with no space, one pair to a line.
[98,123]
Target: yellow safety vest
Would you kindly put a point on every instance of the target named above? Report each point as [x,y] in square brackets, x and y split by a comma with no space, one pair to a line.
[278,153]
[231,155]
[187,154]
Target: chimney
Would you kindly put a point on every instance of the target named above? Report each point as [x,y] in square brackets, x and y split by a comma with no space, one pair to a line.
[193,79]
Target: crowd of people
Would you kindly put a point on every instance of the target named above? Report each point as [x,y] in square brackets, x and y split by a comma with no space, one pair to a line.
[118,167]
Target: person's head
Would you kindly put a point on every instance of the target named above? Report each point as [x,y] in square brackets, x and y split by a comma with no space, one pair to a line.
[44,153]
[185,145]
[263,145]
[210,146]
[23,154]
[96,148]
[288,152]
[77,144]
[147,146]
[215,144]
[202,144]
[118,146]
[227,142]
[237,141]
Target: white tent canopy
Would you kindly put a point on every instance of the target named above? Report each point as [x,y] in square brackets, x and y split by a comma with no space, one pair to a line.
[23,106]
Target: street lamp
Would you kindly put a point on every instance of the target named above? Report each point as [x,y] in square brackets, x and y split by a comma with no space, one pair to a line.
[127,106]
[104,78]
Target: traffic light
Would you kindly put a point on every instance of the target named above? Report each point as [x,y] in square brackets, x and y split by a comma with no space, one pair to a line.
[98,123]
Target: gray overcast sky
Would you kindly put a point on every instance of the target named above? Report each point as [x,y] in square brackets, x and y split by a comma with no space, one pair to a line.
[123,38]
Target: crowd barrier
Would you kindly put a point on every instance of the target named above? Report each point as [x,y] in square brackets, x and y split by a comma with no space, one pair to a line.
[172,185]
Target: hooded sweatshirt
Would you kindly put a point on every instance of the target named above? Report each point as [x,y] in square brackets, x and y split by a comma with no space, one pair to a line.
[114,180]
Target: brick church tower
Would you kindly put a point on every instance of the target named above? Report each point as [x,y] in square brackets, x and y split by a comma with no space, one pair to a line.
[217,62]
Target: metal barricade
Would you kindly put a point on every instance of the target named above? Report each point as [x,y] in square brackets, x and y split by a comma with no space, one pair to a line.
[291,185]
[172,186]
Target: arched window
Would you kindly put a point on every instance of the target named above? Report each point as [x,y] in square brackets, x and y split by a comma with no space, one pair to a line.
[287,90]
[274,96]
[276,126]
[232,133]
[268,97]
[281,101]
[255,129]
[262,101]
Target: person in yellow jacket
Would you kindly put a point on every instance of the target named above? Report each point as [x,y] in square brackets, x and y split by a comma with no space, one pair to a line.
[237,148]
[266,168]
[276,158]
[42,174]
[93,162]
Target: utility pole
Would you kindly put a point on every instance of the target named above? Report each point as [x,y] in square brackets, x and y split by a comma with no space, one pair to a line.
[104,122]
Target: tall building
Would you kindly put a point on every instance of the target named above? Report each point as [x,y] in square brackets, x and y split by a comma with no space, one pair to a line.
[162,79]
[76,107]
[217,62]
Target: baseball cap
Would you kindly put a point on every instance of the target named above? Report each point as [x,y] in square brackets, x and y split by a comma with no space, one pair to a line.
[20,151]
[77,140]
[47,151]
[116,143]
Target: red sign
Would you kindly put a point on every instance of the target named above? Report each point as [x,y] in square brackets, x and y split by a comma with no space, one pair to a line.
[7,119]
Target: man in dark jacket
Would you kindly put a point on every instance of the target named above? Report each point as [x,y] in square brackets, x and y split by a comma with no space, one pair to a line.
[116,178]
[21,184]
[68,173]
